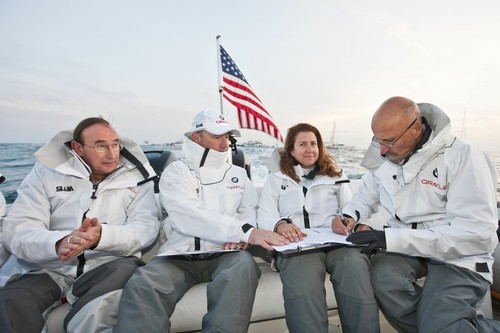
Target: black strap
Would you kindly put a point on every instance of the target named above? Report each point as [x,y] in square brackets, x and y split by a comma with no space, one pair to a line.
[129,156]
[304,211]
[197,245]
[245,227]
[413,225]
[81,257]
[312,173]
[154,178]
[81,264]
[425,137]
[204,157]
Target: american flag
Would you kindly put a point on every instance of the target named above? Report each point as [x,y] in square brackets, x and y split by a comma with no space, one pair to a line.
[237,91]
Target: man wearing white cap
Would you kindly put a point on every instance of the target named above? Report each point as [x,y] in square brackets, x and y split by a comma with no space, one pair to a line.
[211,206]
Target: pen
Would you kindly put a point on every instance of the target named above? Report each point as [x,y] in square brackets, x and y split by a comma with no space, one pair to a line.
[344,222]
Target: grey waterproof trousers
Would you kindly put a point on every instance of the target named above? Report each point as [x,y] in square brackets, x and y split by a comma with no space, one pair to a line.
[24,300]
[149,298]
[447,302]
[303,278]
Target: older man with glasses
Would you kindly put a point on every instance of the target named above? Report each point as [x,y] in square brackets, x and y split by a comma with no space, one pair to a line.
[440,193]
[78,225]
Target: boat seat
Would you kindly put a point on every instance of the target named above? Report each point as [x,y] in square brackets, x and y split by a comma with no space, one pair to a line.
[240,159]
[159,160]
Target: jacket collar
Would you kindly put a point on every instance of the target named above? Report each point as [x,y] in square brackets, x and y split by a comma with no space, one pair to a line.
[439,124]
[198,157]
[58,155]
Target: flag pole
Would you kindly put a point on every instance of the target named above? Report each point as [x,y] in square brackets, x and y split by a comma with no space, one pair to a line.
[219,73]
[221,90]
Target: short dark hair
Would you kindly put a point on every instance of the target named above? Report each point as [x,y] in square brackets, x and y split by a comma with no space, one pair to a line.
[85,123]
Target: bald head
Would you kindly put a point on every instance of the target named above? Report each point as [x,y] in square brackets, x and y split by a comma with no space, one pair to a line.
[397,128]
[395,111]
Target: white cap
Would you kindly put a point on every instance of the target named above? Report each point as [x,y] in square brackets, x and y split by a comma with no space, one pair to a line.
[212,122]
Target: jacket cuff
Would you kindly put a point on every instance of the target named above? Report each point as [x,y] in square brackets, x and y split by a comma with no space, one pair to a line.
[246,230]
[281,221]
[358,225]
[354,216]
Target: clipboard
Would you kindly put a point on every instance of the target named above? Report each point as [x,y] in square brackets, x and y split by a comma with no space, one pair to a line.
[309,249]
[317,239]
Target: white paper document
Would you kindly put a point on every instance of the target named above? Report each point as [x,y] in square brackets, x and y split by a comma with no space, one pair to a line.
[316,237]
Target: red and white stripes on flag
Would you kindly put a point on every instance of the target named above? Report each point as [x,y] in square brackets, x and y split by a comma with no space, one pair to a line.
[237,91]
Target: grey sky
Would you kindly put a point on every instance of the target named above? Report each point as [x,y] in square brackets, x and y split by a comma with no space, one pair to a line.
[148,66]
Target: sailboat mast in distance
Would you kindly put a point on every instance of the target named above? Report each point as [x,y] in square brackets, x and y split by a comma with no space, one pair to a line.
[332,138]
[331,143]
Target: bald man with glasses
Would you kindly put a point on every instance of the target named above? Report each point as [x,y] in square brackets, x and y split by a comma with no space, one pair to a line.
[440,193]
[79,223]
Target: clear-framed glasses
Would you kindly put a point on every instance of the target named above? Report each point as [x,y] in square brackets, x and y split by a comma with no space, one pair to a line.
[103,147]
[389,144]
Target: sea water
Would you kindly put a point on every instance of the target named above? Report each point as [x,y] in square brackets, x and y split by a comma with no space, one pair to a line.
[16,161]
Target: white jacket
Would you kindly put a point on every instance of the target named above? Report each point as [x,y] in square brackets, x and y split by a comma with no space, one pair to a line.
[207,206]
[4,255]
[54,197]
[447,190]
[283,197]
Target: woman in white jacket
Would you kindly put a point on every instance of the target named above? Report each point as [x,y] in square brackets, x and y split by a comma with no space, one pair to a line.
[308,192]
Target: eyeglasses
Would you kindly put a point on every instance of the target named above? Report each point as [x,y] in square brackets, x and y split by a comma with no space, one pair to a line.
[390,144]
[102,147]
